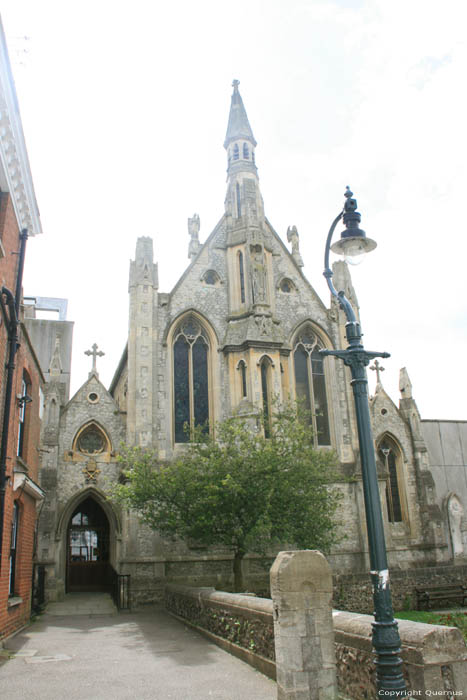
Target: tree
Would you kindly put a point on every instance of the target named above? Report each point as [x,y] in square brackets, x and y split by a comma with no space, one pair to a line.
[239,489]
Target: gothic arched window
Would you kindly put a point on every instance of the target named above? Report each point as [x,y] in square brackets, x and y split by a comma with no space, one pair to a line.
[266,395]
[241,273]
[191,385]
[243,386]
[236,152]
[239,201]
[246,152]
[91,440]
[390,456]
[310,382]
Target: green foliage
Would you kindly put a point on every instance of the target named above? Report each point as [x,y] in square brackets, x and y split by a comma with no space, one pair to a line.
[450,619]
[239,489]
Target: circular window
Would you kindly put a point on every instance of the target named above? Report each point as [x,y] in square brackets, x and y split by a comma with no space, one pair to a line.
[93,397]
[91,441]
[384,411]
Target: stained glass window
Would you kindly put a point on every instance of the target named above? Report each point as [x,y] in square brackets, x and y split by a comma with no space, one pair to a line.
[191,384]
[310,383]
[91,441]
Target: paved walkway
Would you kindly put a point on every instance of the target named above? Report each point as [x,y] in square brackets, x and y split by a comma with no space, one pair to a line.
[137,656]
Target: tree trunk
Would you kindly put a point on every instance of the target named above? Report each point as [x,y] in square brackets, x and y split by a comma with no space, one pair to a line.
[238,571]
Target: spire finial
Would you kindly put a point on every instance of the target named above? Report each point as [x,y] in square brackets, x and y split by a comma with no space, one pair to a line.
[235,84]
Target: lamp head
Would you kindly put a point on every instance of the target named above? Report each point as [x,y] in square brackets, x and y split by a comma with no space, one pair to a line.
[353,243]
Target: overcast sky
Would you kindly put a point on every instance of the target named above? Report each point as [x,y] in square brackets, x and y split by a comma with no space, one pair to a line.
[125,106]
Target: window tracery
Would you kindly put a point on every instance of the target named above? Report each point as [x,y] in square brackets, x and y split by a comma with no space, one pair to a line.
[91,440]
[310,382]
[390,456]
[190,376]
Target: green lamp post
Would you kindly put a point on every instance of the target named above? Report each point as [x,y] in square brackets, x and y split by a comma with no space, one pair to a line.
[386,641]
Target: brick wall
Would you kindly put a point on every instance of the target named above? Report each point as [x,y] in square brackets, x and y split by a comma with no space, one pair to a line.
[15,610]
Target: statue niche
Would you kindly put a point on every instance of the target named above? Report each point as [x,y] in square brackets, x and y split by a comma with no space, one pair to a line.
[258,274]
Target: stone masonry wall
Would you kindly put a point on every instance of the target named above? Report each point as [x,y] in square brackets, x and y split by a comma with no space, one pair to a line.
[434,656]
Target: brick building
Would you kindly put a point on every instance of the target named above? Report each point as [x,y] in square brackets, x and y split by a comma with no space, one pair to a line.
[21,379]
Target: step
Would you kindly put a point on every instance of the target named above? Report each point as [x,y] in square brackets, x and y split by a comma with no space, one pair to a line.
[83,604]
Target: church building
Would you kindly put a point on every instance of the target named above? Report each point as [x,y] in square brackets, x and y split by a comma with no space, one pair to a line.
[241,328]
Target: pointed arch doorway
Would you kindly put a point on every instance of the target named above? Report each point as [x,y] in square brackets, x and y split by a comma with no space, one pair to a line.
[88,549]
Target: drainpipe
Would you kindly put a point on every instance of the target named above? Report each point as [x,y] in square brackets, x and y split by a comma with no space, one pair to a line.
[10,312]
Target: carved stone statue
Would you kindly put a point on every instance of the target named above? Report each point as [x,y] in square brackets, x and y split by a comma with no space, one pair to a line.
[193,230]
[455,513]
[258,272]
[292,237]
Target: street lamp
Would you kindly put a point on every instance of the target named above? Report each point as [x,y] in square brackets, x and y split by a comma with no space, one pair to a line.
[386,640]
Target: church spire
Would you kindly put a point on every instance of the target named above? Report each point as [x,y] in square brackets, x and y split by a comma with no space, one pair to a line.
[243,204]
[238,126]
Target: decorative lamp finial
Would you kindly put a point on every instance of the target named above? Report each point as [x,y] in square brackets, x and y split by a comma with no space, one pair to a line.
[235,84]
[353,243]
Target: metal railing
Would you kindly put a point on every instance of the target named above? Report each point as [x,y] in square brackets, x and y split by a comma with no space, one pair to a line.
[120,589]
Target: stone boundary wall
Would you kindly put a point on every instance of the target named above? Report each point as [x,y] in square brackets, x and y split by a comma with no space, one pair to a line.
[354,592]
[435,657]
[241,624]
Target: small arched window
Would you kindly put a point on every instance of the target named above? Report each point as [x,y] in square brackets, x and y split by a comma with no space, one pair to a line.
[211,278]
[190,378]
[236,152]
[241,274]
[286,285]
[246,152]
[390,456]
[243,386]
[310,382]
[239,201]
[266,394]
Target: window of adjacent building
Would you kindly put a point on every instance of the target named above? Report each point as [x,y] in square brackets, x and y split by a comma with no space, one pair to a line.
[13,548]
[23,414]
[191,384]
[241,273]
[389,455]
[310,383]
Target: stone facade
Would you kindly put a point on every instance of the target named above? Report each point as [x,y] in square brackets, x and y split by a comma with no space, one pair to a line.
[242,326]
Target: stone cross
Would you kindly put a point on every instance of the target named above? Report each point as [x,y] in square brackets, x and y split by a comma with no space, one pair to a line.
[95,354]
[378,368]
